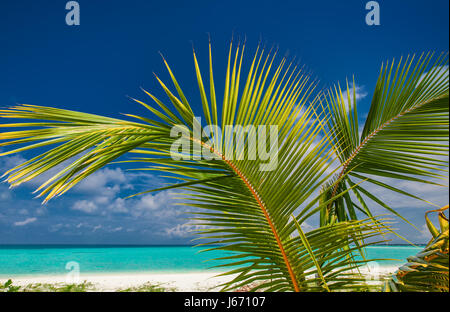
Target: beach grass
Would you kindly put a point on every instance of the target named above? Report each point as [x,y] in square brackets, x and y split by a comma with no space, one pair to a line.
[148,282]
[46,287]
[85,286]
[149,287]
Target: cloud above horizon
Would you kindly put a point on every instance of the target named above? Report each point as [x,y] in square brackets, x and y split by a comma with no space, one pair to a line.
[96,206]
[25,222]
[357,93]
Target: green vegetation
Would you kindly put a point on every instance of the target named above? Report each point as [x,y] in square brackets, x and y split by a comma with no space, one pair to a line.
[82,287]
[327,161]
[428,270]
[149,287]
[38,287]
[9,287]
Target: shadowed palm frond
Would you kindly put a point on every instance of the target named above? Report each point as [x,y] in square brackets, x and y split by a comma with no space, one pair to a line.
[428,270]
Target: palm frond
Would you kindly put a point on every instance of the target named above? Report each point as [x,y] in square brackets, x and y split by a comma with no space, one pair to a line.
[405,135]
[93,141]
[428,270]
[235,187]
[329,261]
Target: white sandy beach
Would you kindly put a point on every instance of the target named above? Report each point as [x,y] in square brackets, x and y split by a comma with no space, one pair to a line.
[192,281]
[196,281]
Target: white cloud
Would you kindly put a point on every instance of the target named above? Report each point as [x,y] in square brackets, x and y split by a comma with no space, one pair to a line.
[425,232]
[183,230]
[150,201]
[5,195]
[55,227]
[307,227]
[102,191]
[437,195]
[83,226]
[9,162]
[440,75]
[103,180]
[25,222]
[97,227]
[119,205]
[6,163]
[85,206]
[360,93]
[23,211]
[41,210]
[59,226]
[159,205]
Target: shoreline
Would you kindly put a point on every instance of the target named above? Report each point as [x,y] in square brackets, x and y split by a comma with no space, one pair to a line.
[114,281]
[197,281]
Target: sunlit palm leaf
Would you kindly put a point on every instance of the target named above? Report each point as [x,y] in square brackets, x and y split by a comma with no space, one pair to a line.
[240,193]
[405,135]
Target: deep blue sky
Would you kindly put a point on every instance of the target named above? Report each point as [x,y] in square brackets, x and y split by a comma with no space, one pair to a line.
[92,67]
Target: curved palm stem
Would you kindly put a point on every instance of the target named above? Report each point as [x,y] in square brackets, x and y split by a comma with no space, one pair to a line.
[409,111]
[355,152]
[261,204]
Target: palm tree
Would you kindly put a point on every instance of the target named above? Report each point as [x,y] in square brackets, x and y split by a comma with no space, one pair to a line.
[258,215]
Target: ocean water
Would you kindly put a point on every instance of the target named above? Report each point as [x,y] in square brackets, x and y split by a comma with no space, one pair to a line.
[42,260]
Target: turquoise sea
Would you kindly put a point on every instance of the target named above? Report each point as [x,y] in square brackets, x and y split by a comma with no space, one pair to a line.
[42,260]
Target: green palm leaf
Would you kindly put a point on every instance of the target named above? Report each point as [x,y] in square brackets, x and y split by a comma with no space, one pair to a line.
[94,141]
[428,270]
[405,135]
